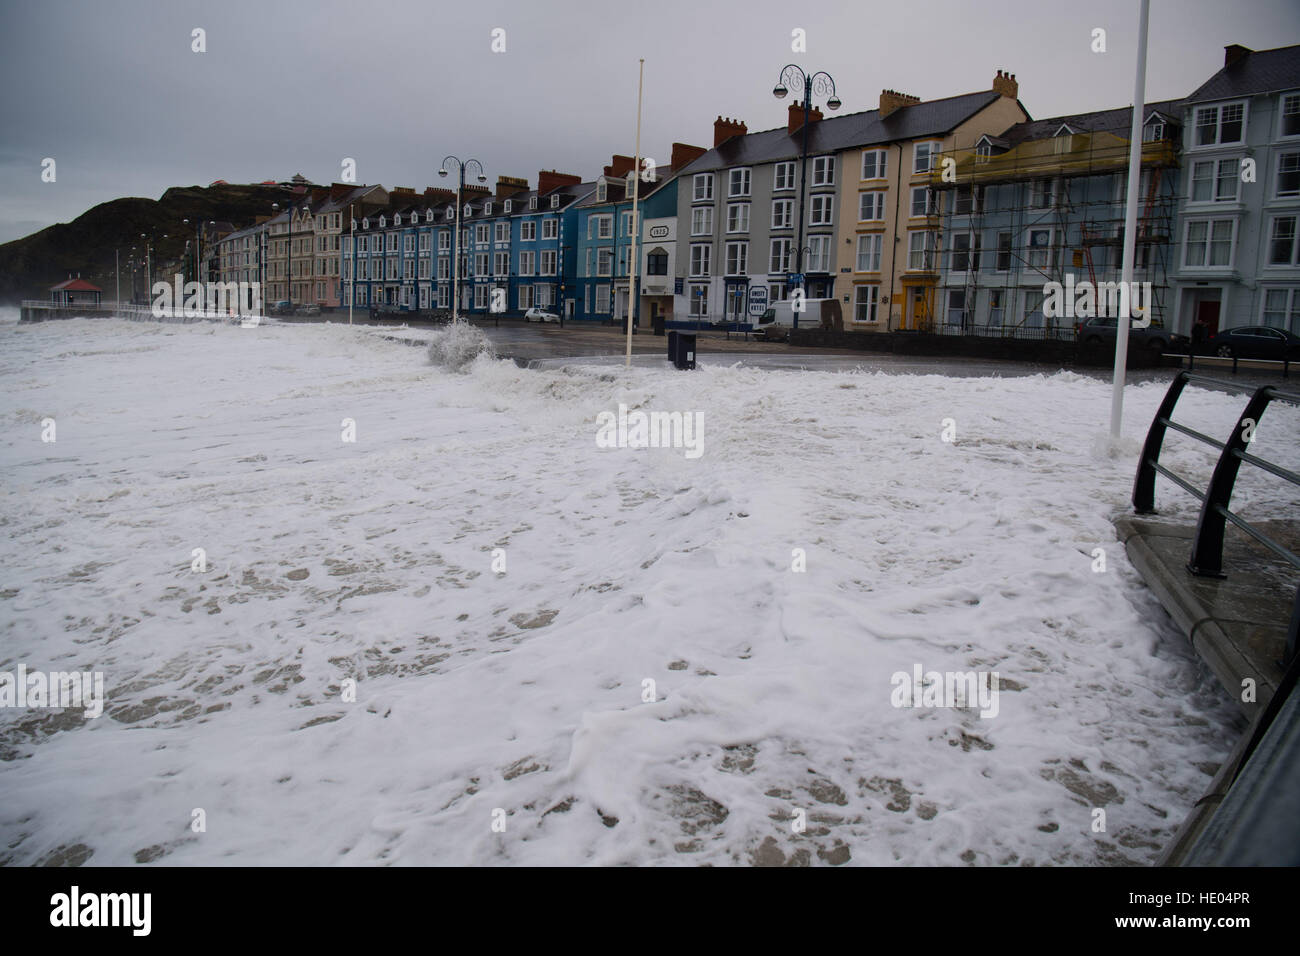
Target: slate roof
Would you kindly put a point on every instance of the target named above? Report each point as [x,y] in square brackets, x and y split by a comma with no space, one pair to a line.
[1260,71]
[1114,121]
[835,133]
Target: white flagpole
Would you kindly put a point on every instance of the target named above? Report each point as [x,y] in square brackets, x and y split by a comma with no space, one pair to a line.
[636,226]
[352,273]
[1130,227]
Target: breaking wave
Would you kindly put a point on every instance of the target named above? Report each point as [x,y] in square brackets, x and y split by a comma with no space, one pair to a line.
[456,346]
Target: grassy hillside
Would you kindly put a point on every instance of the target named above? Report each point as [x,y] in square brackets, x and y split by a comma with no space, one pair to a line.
[29,266]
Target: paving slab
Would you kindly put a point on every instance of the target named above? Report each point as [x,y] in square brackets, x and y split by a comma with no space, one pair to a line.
[1237,624]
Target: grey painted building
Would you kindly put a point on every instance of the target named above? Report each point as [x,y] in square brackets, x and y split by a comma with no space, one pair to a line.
[1238,253]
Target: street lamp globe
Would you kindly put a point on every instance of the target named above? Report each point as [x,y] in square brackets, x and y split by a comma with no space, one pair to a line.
[482,178]
[780,91]
[442,172]
[833,102]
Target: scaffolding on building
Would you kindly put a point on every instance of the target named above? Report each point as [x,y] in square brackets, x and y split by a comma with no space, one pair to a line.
[1070,186]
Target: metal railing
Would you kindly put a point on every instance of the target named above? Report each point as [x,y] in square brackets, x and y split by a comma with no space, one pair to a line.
[1207,547]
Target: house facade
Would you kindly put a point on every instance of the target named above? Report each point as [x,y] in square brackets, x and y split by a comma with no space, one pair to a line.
[1238,255]
[739,208]
[1045,203]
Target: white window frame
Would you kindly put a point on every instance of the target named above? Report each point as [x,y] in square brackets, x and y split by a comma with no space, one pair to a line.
[821,209]
[879,164]
[1277,176]
[702,187]
[1209,239]
[928,148]
[870,249]
[877,197]
[819,254]
[780,256]
[737,262]
[1217,167]
[823,171]
[738,217]
[1292,308]
[1218,124]
[550,228]
[783,177]
[872,303]
[699,213]
[925,249]
[929,202]
[1293,259]
[740,181]
[782,214]
[701,262]
[1282,115]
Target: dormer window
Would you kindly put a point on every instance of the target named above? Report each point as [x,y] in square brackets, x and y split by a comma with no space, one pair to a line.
[450,213]
[506,207]
[602,192]
[468,212]
[397,219]
[487,208]
[555,202]
[365,223]
[983,151]
[1154,130]
[532,202]
[428,216]
[383,222]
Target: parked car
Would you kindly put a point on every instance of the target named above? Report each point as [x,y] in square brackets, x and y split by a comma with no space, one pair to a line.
[1100,330]
[775,324]
[279,308]
[311,309]
[1254,341]
[540,315]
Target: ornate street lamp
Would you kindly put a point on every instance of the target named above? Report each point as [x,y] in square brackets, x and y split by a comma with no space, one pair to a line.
[455,262]
[821,84]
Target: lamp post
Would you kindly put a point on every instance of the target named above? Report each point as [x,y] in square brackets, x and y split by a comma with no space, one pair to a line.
[455,262]
[148,261]
[822,84]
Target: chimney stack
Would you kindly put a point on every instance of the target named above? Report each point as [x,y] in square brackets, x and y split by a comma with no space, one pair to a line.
[509,185]
[1006,85]
[725,129]
[620,167]
[795,120]
[434,195]
[892,100]
[549,180]
[684,155]
[1234,52]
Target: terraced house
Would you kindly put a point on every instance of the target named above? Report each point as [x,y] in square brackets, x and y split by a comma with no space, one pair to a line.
[605,231]
[1238,261]
[387,260]
[517,241]
[738,219]
[512,243]
[1044,202]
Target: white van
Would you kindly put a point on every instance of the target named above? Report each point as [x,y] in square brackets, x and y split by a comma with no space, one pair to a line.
[775,324]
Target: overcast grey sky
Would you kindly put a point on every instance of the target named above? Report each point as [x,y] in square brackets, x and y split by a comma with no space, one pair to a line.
[113,92]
